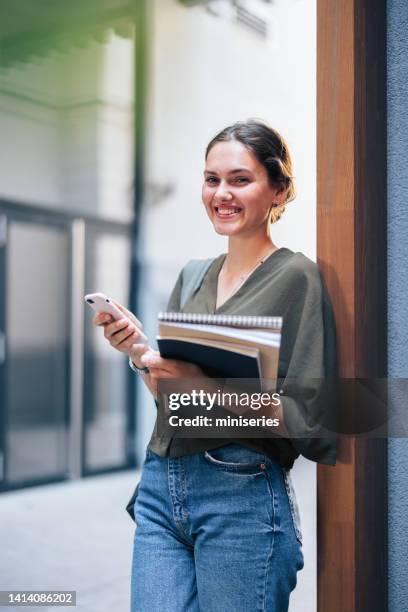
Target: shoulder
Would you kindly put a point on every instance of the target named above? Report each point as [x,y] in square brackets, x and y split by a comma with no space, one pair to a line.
[303,275]
[195,269]
[192,276]
[201,262]
[198,264]
[299,265]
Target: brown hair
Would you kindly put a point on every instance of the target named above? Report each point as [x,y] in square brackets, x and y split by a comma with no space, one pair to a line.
[270,149]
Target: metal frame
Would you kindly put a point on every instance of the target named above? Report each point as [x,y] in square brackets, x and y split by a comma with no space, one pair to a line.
[3,239]
[141,91]
[77,341]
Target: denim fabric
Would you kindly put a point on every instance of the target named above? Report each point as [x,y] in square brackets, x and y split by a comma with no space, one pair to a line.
[215,531]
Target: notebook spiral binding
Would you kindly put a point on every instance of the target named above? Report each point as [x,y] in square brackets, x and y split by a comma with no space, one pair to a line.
[218,319]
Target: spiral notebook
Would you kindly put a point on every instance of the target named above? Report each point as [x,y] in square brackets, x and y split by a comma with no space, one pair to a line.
[227,346]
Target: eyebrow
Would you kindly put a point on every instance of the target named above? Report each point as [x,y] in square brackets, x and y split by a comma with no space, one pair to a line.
[231,172]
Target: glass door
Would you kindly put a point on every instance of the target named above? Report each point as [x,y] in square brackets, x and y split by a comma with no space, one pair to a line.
[67,399]
[108,395]
[34,359]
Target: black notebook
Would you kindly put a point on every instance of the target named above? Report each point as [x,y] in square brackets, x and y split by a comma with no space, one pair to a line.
[226,346]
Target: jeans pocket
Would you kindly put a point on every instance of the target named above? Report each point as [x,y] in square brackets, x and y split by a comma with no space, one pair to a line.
[294,508]
[236,458]
[130,506]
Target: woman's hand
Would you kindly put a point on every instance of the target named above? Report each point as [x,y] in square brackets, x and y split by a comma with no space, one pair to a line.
[159,367]
[125,335]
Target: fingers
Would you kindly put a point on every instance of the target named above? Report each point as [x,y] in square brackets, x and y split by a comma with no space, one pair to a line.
[170,368]
[169,365]
[115,327]
[157,373]
[152,359]
[167,368]
[124,340]
[101,318]
[123,334]
[128,313]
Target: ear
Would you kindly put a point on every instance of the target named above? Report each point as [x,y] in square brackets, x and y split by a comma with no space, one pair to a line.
[280,196]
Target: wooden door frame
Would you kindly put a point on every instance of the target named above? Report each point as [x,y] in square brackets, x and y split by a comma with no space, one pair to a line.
[352,254]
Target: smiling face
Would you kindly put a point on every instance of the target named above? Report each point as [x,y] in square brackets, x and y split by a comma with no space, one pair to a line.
[236,192]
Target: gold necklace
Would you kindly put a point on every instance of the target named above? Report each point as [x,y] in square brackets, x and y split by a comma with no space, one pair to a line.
[243,278]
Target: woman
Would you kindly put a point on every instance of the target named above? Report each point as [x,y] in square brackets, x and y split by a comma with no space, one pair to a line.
[217,521]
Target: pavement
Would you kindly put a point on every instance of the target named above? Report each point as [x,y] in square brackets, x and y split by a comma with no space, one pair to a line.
[74,535]
[77,536]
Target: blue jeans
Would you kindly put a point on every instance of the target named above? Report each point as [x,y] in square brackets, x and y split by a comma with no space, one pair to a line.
[215,532]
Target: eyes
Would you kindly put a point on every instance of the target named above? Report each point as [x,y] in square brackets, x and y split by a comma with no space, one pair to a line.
[238,180]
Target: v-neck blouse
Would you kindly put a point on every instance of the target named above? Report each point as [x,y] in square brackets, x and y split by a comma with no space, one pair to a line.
[290,285]
[208,289]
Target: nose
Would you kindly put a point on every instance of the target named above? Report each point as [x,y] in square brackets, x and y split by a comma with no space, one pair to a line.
[222,193]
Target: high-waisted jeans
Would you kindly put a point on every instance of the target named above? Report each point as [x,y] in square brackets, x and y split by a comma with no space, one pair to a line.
[216,531]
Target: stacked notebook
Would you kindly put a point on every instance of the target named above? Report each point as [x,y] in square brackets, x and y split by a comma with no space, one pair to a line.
[226,346]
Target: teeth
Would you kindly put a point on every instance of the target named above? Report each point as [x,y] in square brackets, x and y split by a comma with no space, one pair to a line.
[227,211]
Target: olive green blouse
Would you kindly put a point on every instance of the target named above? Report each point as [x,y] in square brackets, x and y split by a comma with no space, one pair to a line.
[287,284]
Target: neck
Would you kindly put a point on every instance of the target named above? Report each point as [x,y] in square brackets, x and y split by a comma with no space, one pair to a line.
[246,252]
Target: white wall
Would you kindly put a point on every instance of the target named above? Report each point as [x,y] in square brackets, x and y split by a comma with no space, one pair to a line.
[206,73]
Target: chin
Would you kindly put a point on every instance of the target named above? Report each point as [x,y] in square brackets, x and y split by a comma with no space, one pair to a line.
[221,231]
[222,228]
[225,231]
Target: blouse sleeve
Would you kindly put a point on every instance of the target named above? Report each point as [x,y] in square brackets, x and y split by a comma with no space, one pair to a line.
[173,305]
[307,360]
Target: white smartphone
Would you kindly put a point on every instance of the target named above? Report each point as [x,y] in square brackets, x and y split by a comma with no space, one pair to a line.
[99,302]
